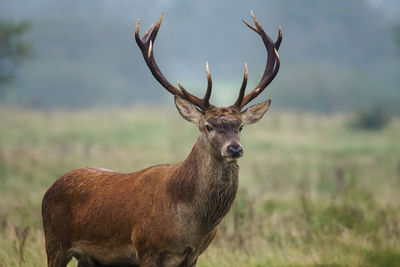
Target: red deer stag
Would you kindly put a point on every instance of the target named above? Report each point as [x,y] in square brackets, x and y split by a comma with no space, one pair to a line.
[165,215]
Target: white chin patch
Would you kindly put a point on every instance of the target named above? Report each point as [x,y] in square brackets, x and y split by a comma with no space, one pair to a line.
[231,159]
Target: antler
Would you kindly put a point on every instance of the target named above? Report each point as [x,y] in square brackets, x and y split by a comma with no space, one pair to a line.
[271,68]
[146,46]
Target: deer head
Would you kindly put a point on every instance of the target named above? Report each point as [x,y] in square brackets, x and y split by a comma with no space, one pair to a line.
[219,127]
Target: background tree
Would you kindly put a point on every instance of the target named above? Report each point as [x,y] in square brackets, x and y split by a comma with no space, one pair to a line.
[13,50]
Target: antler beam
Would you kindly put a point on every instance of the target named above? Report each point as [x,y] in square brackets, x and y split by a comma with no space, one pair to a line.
[146,46]
[271,68]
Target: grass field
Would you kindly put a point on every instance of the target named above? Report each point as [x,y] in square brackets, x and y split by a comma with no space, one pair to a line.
[313,192]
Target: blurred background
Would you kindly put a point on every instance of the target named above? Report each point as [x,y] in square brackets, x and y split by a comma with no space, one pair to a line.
[320,180]
[336,56]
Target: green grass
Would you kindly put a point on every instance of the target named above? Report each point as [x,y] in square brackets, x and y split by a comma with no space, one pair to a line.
[313,192]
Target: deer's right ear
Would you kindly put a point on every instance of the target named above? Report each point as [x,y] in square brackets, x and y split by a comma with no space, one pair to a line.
[187,110]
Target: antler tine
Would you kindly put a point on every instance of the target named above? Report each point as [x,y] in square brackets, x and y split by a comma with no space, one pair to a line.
[250,26]
[147,32]
[206,99]
[272,65]
[146,46]
[205,102]
[242,89]
[279,40]
[154,32]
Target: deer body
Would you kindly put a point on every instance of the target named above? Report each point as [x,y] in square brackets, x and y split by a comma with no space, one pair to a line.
[171,210]
[165,215]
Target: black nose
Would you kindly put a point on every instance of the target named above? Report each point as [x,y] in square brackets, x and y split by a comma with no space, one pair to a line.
[235,150]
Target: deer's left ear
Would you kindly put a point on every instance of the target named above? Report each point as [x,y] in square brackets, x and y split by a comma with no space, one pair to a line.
[254,113]
[187,110]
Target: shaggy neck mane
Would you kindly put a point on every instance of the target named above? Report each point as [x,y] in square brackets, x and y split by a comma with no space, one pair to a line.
[206,184]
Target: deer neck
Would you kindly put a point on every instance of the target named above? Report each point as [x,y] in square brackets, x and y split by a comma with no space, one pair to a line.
[206,184]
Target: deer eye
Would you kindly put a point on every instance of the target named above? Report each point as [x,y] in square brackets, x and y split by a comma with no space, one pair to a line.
[240,128]
[208,128]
